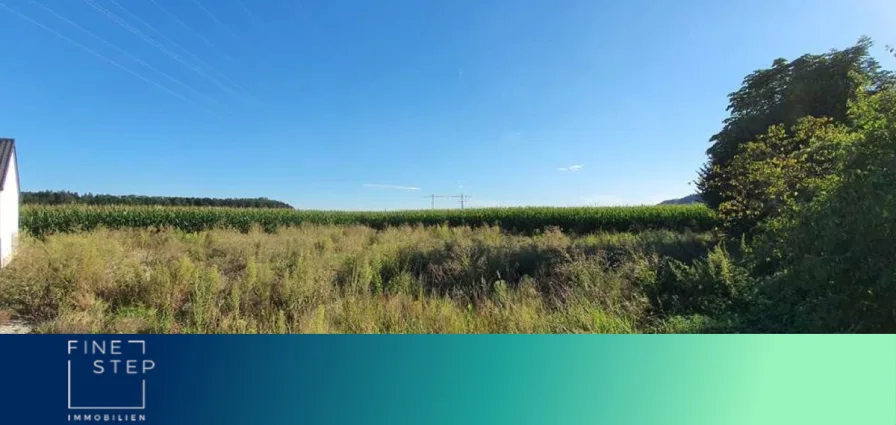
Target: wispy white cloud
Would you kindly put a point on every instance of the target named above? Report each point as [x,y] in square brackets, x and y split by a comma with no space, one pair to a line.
[571,168]
[390,186]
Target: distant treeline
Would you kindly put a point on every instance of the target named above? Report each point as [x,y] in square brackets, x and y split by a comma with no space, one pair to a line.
[49,197]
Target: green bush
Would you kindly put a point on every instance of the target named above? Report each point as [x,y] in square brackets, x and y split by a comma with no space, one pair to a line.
[830,264]
[712,286]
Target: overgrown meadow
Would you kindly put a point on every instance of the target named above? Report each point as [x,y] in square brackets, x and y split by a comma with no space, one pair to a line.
[356,279]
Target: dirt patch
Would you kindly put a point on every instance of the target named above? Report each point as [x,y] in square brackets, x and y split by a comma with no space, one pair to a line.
[15,327]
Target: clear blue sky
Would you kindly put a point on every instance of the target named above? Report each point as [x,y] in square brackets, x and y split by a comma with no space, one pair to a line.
[351,104]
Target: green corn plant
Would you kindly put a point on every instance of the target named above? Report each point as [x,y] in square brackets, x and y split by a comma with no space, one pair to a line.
[41,220]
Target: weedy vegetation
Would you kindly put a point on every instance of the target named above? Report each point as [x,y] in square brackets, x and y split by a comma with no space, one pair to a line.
[355,279]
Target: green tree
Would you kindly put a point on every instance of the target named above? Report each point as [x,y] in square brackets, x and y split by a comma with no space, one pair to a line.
[836,254]
[811,85]
[779,171]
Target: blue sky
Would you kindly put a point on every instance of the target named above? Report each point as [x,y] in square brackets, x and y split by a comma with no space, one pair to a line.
[374,104]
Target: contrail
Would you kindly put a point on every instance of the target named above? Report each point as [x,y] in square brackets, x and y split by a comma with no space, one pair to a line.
[124,52]
[252,17]
[191,30]
[183,49]
[217,21]
[110,61]
[155,43]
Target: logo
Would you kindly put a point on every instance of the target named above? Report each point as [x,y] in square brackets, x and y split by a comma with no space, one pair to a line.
[107,380]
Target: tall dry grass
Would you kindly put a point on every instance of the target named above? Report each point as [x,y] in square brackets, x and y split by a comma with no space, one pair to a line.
[344,279]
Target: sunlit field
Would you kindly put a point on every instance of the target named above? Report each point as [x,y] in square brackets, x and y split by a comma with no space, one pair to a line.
[356,279]
[43,219]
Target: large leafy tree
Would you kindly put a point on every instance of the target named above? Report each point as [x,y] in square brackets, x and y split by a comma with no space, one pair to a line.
[779,171]
[811,85]
[835,254]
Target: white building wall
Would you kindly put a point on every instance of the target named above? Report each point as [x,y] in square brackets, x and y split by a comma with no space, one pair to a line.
[9,212]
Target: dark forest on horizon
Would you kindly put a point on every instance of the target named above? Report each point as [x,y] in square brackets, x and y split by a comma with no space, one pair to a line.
[60,197]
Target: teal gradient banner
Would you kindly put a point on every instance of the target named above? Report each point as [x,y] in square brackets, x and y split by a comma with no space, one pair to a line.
[487,379]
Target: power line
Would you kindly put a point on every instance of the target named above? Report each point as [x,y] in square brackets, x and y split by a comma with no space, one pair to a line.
[182,48]
[252,16]
[462,199]
[191,30]
[110,61]
[124,52]
[434,196]
[115,18]
[217,21]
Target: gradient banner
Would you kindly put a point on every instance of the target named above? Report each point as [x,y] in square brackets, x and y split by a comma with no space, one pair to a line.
[431,380]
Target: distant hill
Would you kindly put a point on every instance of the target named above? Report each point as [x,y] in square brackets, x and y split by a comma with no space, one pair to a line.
[690,199]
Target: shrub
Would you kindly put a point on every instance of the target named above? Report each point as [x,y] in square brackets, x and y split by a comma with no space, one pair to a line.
[711,286]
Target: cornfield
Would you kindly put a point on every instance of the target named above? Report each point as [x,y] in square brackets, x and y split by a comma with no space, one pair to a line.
[42,220]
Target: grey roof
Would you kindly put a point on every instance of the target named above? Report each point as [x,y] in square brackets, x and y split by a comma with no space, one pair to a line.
[7,151]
